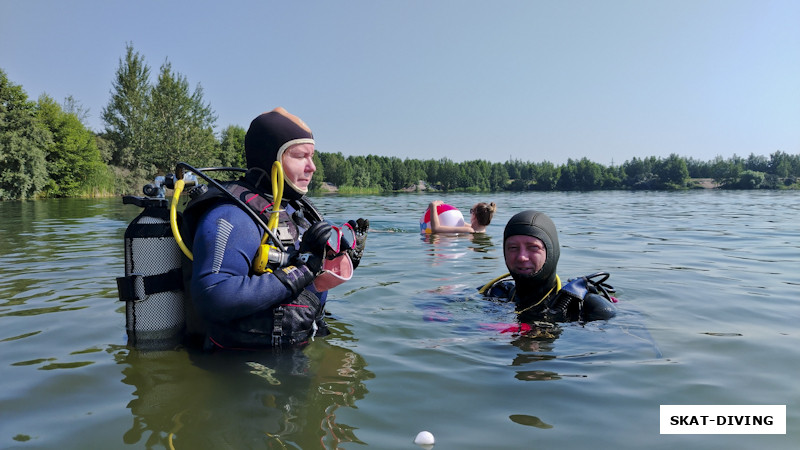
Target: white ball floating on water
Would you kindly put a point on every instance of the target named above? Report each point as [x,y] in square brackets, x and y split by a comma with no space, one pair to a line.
[424,438]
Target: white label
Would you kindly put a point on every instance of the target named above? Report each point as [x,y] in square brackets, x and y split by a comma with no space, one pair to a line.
[723,419]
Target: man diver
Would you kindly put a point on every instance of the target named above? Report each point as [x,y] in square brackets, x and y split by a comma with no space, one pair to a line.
[531,252]
[251,295]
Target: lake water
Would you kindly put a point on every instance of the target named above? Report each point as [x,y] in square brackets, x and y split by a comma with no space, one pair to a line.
[708,283]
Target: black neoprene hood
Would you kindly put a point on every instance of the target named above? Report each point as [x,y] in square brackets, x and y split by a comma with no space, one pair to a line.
[269,135]
[539,225]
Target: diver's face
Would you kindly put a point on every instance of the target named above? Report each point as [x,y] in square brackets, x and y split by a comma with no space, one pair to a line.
[298,166]
[525,255]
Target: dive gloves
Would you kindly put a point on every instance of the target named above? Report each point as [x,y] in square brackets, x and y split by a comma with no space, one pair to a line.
[321,241]
[360,227]
[306,264]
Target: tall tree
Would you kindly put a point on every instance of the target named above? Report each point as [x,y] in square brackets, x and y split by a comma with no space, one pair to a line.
[547,176]
[181,125]
[319,175]
[448,174]
[73,160]
[727,172]
[498,178]
[126,115]
[780,164]
[400,176]
[361,174]
[231,150]
[23,140]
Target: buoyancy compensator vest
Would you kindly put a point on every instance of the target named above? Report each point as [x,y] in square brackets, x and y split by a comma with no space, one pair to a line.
[294,321]
[159,313]
[287,230]
[581,299]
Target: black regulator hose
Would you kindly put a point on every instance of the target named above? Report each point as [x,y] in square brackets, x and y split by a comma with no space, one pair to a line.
[221,188]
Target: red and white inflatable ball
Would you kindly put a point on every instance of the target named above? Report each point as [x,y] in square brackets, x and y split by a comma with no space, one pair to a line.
[449,216]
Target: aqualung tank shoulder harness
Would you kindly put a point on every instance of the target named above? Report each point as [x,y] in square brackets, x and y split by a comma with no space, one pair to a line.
[282,229]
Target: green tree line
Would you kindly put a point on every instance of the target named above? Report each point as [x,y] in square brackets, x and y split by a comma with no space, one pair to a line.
[46,150]
[780,170]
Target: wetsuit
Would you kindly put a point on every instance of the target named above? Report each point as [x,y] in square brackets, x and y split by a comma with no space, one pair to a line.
[579,300]
[238,306]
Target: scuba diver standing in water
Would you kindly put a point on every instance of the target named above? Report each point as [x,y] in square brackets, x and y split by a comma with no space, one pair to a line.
[531,252]
[247,293]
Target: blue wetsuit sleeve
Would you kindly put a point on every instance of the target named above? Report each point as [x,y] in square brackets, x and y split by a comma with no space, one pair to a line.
[223,286]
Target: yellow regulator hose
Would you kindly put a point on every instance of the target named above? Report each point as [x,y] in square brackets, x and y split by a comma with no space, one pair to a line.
[261,261]
[491,283]
[277,194]
[173,219]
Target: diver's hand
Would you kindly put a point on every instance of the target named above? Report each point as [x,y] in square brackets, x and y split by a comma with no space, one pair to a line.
[309,260]
[303,270]
[307,263]
[361,228]
[315,239]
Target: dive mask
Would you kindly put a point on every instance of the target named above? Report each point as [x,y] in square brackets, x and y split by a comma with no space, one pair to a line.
[342,238]
[334,272]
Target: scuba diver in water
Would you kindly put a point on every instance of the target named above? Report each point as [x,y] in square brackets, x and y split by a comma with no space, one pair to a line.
[480,217]
[531,251]
[248,294]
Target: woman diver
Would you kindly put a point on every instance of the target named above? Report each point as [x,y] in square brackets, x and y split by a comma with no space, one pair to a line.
[247,292]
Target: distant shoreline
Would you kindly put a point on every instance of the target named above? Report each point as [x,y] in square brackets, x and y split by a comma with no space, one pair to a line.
[328,188]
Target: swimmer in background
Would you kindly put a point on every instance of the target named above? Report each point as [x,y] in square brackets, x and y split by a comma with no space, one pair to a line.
[480,217]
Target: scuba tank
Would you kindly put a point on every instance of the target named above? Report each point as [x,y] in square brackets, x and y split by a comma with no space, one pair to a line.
[152,287]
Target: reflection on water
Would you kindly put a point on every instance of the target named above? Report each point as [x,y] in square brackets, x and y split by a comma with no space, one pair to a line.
[244,399]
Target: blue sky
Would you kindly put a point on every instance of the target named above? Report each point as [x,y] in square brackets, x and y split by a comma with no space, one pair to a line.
[496,80]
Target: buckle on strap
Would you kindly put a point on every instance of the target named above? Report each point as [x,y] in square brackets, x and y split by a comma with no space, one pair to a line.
[131,288]
[136,287]
[277,326]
